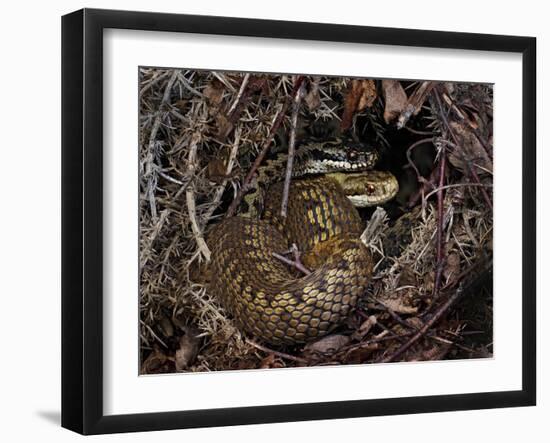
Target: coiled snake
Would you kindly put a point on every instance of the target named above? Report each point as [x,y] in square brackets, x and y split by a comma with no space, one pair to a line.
[266,298]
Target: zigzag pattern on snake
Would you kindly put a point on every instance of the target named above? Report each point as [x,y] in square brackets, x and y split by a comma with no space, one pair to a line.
[268,299]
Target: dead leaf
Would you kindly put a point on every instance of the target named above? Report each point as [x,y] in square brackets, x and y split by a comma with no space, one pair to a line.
[404,304]
[361,353]
[452,266]
[224,126]
[407,277]
[188,349]
[157,363]
[415,102]
[271,361]
[214,95]
[360,95]
[327,345]
[364,329]
[313,98]
[216,169]
[166,326]
[470,150]
[429,352]
[395,98]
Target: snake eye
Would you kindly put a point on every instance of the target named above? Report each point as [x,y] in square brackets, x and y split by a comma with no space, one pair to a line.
[370,189]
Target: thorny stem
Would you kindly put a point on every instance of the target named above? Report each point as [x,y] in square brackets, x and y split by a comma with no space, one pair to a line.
[239,94]
[440,246]
[190,199]
[467,161]
[265,148]
[458,185]
[483,190]
[219,192]
[249,85]
[291,148]
[460,114]
[150,167]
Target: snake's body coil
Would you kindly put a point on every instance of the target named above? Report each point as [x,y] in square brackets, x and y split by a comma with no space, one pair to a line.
[266,298]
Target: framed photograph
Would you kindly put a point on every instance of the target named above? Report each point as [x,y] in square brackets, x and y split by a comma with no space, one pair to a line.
[269,221]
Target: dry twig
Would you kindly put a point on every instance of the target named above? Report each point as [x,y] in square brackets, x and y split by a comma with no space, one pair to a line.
[190,199]
[439,313]
[439,242]
[291,147]
[221,188]
[149,165]
[277,353]
[259,159]
[415,102]
[473,173]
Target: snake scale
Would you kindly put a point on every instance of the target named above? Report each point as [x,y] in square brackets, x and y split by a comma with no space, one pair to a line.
[267,298]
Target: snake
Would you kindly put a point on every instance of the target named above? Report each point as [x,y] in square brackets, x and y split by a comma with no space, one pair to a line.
[268,299]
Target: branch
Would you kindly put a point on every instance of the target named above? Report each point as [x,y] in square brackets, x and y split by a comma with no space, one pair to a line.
[439,241]
[471,169]
[277,353]
[419,177]
[221,188]
[149,165]
[428,184]
[461,115]
[415,102]
[239,94]
[439,313]
[458,185]
[296,263]
[291,148]
[259,159]
[190,199]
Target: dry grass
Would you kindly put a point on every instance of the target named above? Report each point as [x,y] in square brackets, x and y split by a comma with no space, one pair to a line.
[199,134]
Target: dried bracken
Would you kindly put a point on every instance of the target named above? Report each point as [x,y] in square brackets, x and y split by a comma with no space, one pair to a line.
[203,134]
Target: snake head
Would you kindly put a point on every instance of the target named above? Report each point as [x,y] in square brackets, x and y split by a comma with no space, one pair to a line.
[368,188]
[337,156]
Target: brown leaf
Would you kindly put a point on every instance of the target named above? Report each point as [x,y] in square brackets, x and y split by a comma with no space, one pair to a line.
[404,304]
[415,102]
[360,354]
[157,363]
[313,98]
[407,277]
[224,126]
[395,98]
[429,352]
[469,149]
[327,345]
[166,326]
[364,328]
[214,95]
[216,170]
[360,95]
[452,266]
[271,361]
[188,349]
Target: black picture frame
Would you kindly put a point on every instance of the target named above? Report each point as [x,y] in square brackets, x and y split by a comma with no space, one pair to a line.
[82,218]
